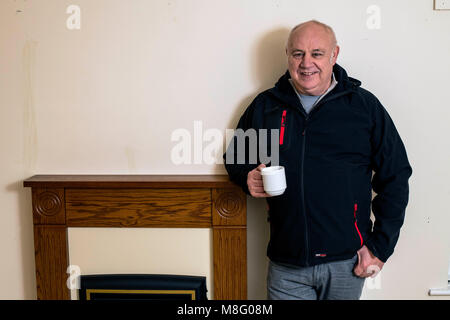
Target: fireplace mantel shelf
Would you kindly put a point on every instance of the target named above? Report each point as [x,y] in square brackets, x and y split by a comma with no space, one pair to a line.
[150,201]
[133,181]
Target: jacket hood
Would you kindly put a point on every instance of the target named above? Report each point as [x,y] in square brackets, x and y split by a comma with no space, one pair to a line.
[284,91]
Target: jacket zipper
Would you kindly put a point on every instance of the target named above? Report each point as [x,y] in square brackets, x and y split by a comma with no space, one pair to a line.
[303,192]
[283,124]
[355,210]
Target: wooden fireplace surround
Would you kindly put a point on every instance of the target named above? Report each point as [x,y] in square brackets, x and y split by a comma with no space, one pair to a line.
[135,201]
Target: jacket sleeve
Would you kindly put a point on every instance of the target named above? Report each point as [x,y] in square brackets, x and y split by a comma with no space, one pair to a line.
[236,158]
[390,183]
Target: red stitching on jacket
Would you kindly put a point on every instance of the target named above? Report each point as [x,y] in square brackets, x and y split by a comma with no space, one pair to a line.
[356,224]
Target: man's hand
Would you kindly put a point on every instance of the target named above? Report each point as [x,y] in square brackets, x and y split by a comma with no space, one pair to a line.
[255,182]
[368,265]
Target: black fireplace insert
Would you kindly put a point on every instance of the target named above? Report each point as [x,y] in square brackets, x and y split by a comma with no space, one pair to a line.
[142,287]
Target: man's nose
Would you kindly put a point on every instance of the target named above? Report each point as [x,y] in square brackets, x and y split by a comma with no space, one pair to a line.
[306,61]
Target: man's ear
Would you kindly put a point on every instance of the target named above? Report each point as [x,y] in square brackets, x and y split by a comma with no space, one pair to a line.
[334,55]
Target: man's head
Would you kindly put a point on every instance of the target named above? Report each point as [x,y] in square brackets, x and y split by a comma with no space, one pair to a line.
[312,51]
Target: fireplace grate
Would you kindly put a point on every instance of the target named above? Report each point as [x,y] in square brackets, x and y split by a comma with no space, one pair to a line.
[142,287]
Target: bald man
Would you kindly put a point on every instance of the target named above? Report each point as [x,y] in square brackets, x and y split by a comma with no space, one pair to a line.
[337,144]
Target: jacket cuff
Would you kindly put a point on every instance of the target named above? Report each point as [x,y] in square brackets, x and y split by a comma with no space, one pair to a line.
[376,251]
[241,180]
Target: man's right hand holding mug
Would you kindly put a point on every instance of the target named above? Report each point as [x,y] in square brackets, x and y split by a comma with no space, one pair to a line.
[255,182]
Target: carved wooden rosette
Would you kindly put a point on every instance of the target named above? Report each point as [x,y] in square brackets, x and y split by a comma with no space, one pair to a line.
[60,202]
[48,206]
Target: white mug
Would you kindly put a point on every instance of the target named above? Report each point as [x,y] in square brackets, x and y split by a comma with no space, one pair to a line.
[274,180]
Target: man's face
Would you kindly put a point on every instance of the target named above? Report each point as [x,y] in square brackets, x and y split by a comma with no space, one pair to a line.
[311,57]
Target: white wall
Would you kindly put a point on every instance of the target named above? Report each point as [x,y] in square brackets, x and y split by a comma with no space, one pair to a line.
[105,99]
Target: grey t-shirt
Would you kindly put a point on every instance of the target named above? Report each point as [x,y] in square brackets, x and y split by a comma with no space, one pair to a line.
[308,101]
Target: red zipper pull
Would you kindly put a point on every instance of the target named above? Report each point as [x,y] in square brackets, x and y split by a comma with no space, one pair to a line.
[283,124]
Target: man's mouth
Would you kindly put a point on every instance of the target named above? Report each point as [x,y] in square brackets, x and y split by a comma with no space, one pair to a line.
[308,73]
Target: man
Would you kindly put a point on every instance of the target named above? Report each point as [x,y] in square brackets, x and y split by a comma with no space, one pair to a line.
[332,136]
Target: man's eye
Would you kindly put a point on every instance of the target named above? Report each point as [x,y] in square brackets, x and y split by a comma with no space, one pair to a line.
[298,55]
[317,54]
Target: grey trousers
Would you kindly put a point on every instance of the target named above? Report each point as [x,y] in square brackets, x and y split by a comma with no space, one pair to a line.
[328,281]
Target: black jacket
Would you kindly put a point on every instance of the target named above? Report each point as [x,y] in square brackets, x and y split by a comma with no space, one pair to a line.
[329,157]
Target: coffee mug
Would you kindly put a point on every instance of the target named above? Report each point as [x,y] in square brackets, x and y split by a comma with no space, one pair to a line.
[274,180]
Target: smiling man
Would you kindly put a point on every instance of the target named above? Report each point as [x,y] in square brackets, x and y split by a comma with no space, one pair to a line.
[333,136]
